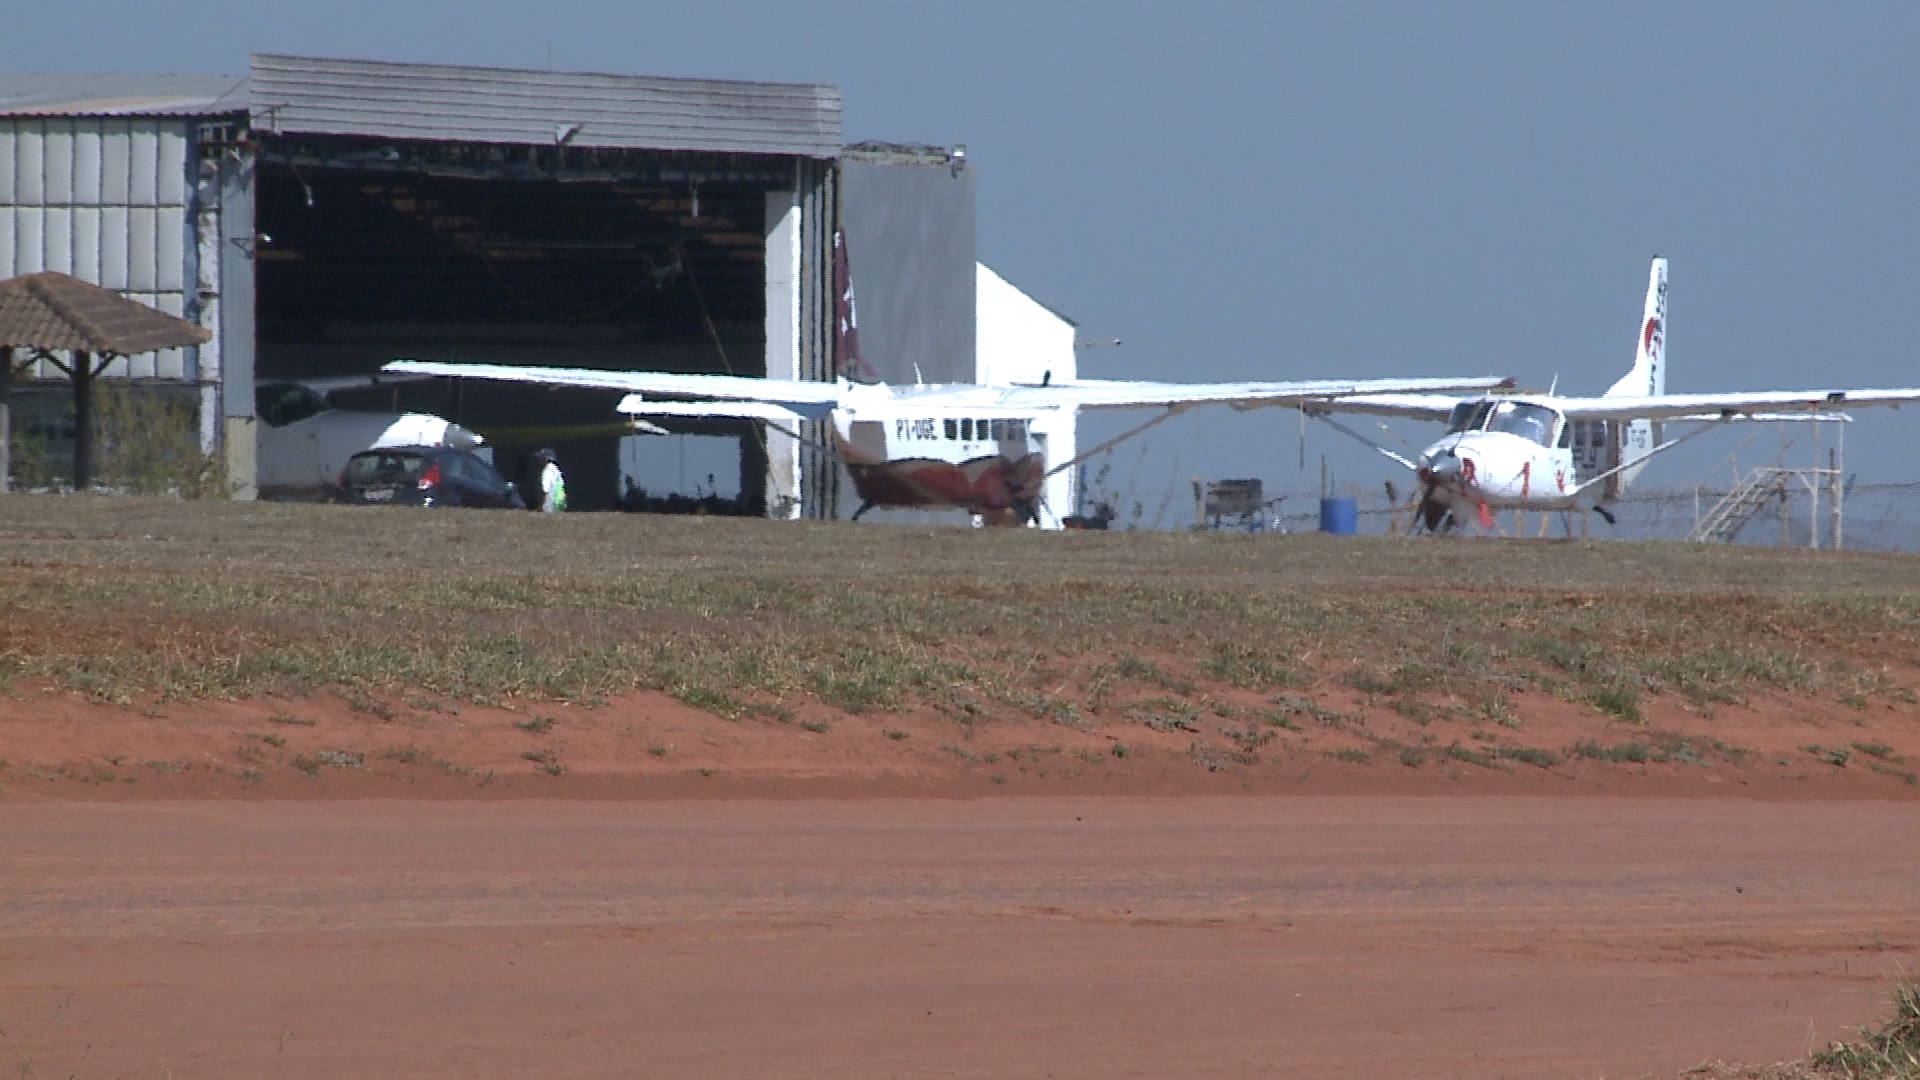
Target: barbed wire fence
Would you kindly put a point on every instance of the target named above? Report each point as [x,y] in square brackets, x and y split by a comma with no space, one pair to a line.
[1877,517]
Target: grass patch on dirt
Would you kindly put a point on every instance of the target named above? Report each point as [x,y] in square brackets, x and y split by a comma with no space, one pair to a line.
[1889,1051]
[381,605]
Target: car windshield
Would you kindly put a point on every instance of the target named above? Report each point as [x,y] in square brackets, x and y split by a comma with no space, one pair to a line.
[1532,422]
[384,468]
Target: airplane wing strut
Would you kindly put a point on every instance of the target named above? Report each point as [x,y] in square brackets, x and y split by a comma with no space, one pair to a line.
[1705,426]
[1113,442]
[1352,434]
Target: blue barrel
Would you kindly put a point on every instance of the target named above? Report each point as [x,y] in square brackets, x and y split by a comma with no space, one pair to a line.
[1339,516]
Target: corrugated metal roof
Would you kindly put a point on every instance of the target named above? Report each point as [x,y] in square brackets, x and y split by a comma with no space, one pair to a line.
[121,95]
[438,103]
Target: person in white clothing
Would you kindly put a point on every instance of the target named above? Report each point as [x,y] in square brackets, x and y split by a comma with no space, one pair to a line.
[553,485]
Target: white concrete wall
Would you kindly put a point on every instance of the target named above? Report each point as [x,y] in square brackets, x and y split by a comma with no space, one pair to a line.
[783,343]
[1018,339]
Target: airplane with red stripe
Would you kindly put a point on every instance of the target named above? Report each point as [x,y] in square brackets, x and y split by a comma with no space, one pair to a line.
[1552,452]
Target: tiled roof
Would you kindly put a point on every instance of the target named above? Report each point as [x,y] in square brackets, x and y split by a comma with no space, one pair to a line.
[56,312]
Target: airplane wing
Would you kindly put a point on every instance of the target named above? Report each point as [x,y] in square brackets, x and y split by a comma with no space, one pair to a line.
[1126,394]
[811,400]
[636,405]
[1772,406]
[1734,406]
[328,384]
[1769,417]
[1404,406]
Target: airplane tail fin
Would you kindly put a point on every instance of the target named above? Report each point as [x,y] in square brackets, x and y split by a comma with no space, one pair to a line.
[1648,378]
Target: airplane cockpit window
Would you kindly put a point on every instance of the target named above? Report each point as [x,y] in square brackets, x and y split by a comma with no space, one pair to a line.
[1531,422]
[280,404]
[966,429]
[953,428]
[1471,415]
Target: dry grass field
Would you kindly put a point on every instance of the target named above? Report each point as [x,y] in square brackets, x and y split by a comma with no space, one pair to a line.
[476,647]
[221,673]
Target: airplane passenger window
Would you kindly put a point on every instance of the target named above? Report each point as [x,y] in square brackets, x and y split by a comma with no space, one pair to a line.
[966,429]
[998,428]
[953,428]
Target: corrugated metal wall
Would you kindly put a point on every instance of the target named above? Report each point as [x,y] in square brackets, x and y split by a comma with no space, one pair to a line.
[909,221]
[819,210]
[103,199]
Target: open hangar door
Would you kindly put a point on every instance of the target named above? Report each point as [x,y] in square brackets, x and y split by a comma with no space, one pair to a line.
[544,218]
[356,266]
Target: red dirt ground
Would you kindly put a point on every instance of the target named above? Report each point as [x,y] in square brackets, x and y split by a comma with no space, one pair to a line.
[658,891]
[62,745]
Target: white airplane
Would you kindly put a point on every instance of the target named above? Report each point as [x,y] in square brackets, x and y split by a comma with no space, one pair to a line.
[1549,452]
[302,441]
[960,445]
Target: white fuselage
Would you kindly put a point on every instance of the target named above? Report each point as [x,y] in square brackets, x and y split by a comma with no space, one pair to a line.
[1503,453]
[906,454]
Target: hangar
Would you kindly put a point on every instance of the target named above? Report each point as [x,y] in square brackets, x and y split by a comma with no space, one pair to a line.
[321,217]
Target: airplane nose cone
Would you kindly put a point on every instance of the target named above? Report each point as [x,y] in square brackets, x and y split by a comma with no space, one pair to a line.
[1452,468]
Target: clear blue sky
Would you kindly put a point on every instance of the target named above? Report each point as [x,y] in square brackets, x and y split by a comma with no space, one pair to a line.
[1265,190]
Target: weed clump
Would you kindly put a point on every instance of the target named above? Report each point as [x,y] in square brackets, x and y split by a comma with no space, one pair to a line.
[1891,1052]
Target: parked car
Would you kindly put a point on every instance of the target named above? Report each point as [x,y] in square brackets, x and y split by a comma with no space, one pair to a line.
[424,476]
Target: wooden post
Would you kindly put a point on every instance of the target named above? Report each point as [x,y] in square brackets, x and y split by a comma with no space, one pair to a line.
[6,419]
[82,375]
[1836,490]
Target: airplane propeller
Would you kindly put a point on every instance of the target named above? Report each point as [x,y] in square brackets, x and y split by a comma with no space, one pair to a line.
[1431,510]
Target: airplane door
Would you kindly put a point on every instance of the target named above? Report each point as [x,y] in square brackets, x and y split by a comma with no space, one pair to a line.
[1596,449]
[868,440]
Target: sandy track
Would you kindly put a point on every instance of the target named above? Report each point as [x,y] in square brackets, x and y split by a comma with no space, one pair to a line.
[1096,937]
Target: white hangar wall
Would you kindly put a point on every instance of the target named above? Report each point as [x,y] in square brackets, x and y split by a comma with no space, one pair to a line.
[1019,339]
[106,200]
[102,181]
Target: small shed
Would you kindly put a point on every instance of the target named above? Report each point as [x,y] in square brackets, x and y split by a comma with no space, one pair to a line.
[46,314]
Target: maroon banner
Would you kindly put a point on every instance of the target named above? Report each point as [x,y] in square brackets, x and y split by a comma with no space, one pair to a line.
[848,363]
